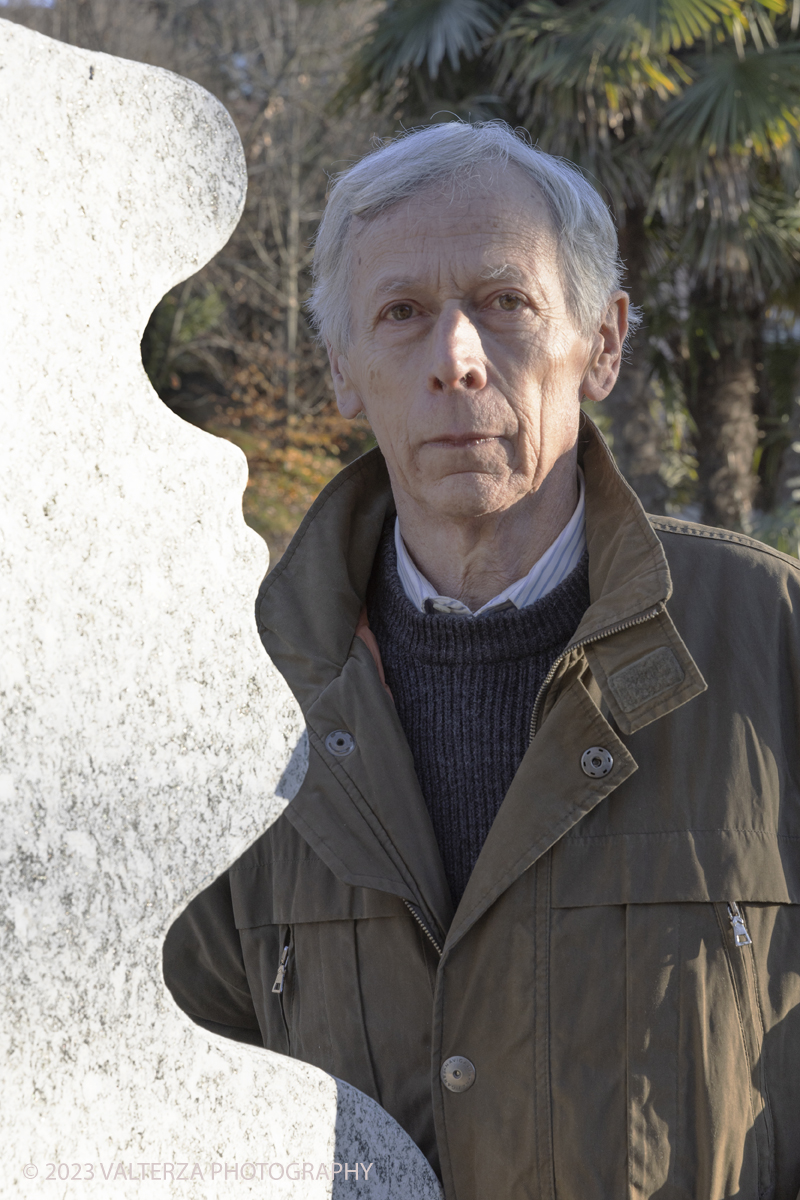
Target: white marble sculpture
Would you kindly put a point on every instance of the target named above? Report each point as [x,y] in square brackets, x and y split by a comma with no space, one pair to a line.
[143,729]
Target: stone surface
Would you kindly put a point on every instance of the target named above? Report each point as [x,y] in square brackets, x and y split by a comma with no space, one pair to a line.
[144,731]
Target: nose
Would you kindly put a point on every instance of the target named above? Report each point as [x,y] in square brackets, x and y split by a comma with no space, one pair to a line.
[457,354]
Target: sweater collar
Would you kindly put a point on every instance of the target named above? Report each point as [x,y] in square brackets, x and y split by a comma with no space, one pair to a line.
[445,639]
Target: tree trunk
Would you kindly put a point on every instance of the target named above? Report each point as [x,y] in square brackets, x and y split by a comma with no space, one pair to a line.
[787,487]
[635,432]
[293,236]
[722,406]
[292,265]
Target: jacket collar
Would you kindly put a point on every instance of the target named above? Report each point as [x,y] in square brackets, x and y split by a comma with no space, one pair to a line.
[308,610]
[308,607]
[628,571]
[638,659]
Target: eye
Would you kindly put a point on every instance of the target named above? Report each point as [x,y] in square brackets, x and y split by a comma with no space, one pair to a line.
[400,312]
[509,301]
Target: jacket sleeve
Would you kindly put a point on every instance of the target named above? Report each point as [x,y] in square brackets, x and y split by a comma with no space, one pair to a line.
[204,968]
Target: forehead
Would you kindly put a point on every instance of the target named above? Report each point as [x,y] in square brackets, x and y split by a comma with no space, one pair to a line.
[496,224]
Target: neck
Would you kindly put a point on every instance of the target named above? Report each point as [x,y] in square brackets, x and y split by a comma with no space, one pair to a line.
[474,559]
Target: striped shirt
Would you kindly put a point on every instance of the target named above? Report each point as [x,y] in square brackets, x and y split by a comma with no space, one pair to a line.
[548,572]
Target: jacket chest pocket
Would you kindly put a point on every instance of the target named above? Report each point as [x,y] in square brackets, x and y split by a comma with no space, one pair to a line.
[333,970]
[318,992]
[699,1117]
[695,995]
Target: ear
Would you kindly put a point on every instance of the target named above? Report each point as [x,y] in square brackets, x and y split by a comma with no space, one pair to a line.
[348,398]
[603,369]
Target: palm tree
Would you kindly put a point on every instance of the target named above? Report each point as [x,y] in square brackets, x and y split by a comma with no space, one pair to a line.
[728,168]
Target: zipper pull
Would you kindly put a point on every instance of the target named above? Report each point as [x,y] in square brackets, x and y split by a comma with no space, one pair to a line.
[279,978]
[740,935]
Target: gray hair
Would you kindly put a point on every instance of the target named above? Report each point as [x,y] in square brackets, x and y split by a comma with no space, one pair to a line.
[588,254]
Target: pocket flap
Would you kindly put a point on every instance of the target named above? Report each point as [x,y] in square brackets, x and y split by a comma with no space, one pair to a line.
[292,891]
[690,865]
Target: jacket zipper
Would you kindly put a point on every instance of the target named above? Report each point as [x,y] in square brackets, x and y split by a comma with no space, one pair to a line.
[742,967]
[741,937]
[423,926]
[277,986]
[280,983]
[595,637]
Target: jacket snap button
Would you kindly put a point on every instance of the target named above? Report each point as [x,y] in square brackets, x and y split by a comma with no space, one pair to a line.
[596,762]
[458,1073]
[340,743]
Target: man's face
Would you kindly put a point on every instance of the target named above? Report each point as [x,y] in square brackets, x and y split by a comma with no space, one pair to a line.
[462,354]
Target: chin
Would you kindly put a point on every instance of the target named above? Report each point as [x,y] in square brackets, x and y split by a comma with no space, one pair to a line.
[468,496]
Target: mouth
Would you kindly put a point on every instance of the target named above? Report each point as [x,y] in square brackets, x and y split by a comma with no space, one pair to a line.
[463,441]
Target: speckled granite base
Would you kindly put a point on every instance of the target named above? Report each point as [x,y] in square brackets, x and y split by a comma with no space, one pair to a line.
[143,730]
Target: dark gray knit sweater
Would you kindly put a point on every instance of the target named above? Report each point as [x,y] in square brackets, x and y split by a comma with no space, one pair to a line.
[464,688]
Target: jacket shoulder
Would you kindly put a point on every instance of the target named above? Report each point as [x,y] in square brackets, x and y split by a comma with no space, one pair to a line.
[703,544]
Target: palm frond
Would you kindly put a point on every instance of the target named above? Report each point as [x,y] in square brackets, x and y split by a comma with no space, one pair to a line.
[414,35]
[736,104]
[738,234]
[559,41]
[668,24]
[616,57]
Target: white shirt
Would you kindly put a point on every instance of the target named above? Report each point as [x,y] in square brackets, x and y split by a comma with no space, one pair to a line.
[548,572]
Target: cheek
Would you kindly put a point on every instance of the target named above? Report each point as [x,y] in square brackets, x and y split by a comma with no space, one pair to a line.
[383,400]
[375,372]
[550,382]
[549,357]
[564,371]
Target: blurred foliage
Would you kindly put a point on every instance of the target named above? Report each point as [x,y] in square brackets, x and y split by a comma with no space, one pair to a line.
[779,528]
[173,340]
[291,458]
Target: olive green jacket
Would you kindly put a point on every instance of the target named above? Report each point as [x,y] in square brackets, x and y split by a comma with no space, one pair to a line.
[624,1045]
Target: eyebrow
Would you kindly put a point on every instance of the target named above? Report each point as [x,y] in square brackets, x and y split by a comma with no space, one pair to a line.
[395,285]
[503,272]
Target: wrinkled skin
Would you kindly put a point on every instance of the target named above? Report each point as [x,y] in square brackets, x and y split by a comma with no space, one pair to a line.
[469,367]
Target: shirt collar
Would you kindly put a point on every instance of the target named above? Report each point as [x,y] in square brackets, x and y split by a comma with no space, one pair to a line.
[560,558]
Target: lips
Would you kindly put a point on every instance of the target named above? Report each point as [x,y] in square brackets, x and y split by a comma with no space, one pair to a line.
[464,440]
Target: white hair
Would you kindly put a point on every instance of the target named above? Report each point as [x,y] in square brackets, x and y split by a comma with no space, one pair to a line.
[588,255]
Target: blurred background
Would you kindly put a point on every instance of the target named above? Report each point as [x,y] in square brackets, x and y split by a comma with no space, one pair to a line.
[684,114]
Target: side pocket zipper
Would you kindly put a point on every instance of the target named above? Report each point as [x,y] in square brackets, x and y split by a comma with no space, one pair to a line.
[743,972]
[280,982]
[740,935]
[277,986]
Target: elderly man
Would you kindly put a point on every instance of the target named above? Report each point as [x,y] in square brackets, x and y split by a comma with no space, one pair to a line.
[538,893]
